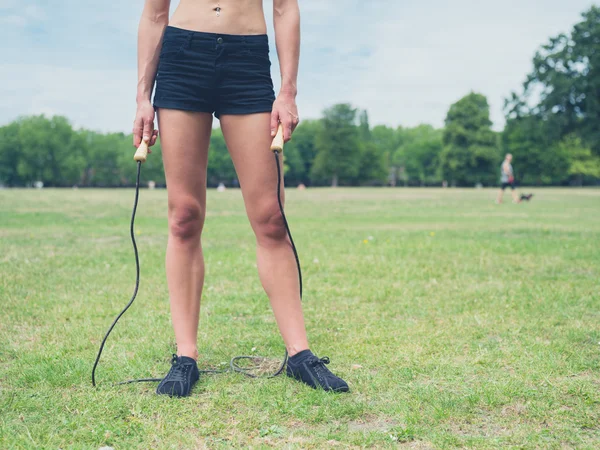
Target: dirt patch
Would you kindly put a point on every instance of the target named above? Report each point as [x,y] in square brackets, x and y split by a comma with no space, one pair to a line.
[491,427]
[26,337]
[375,424]
[419,445]
[104,239]
[518,409]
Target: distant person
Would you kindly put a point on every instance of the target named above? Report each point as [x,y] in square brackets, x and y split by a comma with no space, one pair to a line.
[507,178]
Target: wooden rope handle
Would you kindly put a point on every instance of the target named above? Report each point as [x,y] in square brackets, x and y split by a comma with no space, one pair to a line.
[277,144]
[142,152]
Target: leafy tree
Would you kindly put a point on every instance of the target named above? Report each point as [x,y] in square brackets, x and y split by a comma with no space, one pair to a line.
[470,154]
[299,152]
[304,142]
[373,168]
[10,154]
[364,130]
[293,165]
[537,160]
[338,146]
[419,154]
[49,151]
[387,140]
[566,79]
[582,162]
[373,160]
[220,166]
[109,159]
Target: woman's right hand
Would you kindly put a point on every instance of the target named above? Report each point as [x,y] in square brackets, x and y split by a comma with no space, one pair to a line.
[143,125]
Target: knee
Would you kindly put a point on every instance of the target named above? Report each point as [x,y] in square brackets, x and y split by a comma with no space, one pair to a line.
[186,220]
[269,226]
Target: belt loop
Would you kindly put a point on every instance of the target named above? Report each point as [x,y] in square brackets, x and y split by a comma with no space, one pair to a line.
[189,39]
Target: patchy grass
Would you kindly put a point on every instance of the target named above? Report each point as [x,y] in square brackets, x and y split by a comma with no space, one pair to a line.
[457,322]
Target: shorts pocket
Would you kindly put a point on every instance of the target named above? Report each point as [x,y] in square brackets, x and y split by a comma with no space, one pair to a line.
[171,48]
[258,55]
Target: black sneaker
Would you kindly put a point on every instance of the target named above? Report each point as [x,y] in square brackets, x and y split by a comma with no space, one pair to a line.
[311,370]
[180,379]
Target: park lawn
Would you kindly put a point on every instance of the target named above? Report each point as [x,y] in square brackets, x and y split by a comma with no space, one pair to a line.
[458,323]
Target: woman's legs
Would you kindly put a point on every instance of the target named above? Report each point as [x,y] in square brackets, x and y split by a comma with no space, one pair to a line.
[184,138]
[248,139]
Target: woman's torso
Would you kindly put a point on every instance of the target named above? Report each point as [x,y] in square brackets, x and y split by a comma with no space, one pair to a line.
[506,171]
[242,17]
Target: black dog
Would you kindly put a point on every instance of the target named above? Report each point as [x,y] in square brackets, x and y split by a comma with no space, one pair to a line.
[526,197]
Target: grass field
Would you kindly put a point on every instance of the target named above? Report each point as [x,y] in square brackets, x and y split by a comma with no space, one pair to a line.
[458,323]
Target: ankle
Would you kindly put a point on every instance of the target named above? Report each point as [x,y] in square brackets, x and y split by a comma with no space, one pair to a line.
[295,349]
[190,352]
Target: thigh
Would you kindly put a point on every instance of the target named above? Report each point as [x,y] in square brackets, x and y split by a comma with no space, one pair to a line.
[248,139]
[184,139]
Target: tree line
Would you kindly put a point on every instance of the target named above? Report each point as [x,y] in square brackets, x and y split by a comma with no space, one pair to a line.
[552,129]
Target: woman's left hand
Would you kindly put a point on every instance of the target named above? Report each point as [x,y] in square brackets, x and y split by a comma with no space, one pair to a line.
[285,112]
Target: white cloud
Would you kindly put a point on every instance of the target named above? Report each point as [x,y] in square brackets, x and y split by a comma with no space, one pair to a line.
[405,62]
[34,12]
[428,55]
[13,19]
[98,99]
[20,15]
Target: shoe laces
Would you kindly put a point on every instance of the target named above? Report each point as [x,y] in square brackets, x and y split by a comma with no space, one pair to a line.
[178,370]
[319,366]
[319,361]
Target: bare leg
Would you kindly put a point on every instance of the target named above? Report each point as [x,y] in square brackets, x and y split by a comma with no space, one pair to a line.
[500,195]
[248,139]
[184,139]
[515,196]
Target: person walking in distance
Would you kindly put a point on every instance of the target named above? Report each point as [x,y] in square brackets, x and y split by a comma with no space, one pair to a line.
[507,178]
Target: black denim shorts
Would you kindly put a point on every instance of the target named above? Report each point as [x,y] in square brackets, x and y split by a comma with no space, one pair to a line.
[214,73]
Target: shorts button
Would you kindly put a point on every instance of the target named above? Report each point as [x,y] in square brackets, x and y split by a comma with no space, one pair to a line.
[219,40]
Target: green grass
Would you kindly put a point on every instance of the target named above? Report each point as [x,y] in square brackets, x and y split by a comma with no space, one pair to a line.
[458,323]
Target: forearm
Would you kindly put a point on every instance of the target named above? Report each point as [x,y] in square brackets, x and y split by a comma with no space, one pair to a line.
[286,20]
[150,33]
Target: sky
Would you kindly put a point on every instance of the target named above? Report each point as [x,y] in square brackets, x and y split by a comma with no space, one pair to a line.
[405,62]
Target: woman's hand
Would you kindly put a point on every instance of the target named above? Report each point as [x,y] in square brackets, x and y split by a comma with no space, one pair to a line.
[285,112]
[143,125]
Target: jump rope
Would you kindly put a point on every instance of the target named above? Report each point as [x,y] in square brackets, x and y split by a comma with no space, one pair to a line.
[140,157]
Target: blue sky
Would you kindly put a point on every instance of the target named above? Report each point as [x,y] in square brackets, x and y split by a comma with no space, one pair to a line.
[403,61]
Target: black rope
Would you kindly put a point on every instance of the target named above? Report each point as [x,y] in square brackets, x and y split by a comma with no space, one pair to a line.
[137,276]
[287,227]
[233,365]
